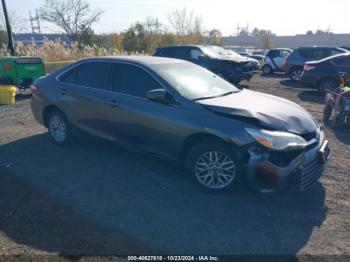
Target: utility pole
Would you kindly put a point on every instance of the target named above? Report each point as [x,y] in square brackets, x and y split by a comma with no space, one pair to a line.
[10,44]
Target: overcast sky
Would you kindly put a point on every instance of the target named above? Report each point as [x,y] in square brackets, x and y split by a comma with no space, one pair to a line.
[281,16]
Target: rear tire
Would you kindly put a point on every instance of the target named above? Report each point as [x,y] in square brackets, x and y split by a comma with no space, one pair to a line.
[60,130]
[213,166]
[295,74]
[267,70]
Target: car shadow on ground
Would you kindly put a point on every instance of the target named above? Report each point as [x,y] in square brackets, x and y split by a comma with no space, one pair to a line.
[275,75]
[290,84]
[95,198]
[312,96]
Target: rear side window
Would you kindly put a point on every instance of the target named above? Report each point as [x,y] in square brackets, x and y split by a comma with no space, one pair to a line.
[69,76]
[132,80]
[315,54]
[94,74]
[284,53]
[166,52]
[181,52]
[306,53]
[273,53]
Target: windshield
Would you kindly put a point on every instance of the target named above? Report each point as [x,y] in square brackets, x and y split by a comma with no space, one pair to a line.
[194,82]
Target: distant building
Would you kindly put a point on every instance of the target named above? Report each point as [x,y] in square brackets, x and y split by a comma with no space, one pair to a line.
[291,41]
[39,38]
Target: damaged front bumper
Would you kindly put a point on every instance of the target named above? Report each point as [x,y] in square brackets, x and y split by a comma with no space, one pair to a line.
[270,171]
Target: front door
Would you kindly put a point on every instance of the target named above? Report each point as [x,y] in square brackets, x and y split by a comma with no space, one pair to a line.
[134,119]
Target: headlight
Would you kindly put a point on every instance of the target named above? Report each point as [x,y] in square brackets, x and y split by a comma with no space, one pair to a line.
[277,140]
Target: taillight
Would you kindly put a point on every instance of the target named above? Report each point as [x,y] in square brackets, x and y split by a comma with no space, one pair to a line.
[308,67]
[34,89]
[286,61]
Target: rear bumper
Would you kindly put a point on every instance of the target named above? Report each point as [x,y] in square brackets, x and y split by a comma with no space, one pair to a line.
[301,172]
[37,109]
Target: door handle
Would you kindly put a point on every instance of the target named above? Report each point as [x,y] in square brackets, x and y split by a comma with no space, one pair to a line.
[113,103]
[64,92]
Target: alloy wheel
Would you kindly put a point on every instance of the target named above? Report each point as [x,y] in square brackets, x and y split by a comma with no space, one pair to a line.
[215,170]
[296,74]
[58,128]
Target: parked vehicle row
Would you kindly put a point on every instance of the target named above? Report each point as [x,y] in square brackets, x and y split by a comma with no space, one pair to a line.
[292,61]
[184,112]
[295,62]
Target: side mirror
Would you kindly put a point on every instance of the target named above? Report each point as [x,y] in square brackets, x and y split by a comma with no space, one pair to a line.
[157,95]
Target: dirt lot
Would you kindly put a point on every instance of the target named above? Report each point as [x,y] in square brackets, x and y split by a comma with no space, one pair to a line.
[95,198]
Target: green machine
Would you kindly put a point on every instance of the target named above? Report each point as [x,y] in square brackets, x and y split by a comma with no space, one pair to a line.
[20,71]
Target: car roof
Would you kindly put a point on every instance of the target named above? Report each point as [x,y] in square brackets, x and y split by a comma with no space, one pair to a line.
[319,47]
[177,46]
[142,60]
[280,48]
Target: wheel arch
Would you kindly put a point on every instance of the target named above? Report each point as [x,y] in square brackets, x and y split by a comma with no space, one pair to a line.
[295,67]
[194,139]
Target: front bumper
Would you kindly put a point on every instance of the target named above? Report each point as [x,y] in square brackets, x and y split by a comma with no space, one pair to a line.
[302,171]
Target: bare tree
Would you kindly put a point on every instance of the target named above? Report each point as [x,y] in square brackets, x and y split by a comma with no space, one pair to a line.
[215,37]
[184,22]
[72,16]
[17,23]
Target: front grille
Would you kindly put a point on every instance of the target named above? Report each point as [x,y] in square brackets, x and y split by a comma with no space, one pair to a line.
[311,172]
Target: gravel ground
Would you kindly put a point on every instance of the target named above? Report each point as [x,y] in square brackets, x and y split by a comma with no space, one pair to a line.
[97,199]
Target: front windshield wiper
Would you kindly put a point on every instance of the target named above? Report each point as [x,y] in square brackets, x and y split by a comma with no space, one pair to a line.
[209,97]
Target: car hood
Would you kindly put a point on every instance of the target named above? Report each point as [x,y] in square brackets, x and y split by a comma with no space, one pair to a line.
[237,59]
[272,112]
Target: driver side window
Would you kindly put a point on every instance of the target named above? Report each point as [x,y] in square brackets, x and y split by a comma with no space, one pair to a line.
[133,80]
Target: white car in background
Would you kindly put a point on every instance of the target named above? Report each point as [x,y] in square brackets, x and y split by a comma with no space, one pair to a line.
[275,59]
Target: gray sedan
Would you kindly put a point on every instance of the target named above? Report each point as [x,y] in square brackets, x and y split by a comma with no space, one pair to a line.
[181,111]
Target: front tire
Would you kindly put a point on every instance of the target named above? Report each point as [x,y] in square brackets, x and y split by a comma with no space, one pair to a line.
[59,128]
[213,166]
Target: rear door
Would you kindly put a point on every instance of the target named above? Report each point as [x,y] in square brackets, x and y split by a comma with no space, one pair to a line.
[135,120]
[82,96]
